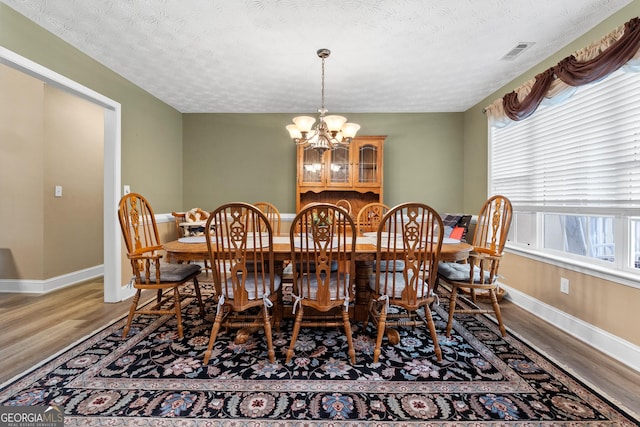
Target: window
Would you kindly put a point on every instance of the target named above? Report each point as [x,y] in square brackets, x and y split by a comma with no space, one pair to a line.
[634,253]
[572,173]
[587,236]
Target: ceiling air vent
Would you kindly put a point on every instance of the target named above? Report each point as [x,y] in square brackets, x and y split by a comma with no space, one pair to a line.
[516,51]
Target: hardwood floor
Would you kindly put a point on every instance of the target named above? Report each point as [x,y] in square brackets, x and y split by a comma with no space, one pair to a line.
[36,327]
[613,379]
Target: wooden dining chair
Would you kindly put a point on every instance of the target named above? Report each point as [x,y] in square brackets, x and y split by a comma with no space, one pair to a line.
[195,216]
[409,239]
[246,297]
[370,216]
[142,241]
[182,230]
[272,213]
[323,242]
[178,219]
[480,273]
[346,205]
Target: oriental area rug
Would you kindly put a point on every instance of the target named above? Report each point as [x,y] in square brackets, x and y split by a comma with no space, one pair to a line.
[155,378]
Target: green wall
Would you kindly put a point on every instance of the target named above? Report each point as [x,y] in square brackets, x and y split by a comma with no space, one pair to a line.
[237,157]
[249,157]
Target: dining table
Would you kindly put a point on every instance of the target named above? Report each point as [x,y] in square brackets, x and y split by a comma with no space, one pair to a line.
[194,248]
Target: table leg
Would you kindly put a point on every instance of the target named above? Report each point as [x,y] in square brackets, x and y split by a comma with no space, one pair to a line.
[278,313]
[363,270]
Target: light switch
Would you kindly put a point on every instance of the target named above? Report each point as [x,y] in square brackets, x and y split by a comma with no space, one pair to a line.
[127,190]
[58,191]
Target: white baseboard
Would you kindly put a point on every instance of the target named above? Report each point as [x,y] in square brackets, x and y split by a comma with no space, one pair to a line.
[48,285]
[619,349]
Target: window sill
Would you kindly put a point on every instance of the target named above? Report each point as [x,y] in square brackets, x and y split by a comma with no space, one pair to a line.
[622,277]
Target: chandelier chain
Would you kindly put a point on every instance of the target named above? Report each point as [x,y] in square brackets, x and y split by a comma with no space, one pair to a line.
[322,106]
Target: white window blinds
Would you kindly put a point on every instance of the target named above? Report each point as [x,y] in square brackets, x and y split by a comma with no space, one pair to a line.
[583,152]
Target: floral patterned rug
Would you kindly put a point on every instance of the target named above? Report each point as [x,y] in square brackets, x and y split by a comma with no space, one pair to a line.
[154,378]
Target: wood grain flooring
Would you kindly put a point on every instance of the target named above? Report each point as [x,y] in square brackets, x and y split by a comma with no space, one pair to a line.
[35,327]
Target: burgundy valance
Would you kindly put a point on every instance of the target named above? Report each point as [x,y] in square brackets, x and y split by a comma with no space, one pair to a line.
[517,110]
[586,66]
[577,73]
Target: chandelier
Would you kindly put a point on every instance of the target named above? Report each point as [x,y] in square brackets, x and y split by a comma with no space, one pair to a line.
[330,132]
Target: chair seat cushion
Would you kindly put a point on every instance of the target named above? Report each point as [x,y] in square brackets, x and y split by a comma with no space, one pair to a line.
[302,267]
[457,272]
[400,284]
[254,266]
[397,265]
[173,272]
[335,281]
[250,286]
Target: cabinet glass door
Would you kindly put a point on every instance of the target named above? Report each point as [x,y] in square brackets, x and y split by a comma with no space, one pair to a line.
[311,172]
[339,168]
[368,164]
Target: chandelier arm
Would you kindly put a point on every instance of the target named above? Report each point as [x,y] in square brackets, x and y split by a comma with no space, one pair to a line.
[306,139]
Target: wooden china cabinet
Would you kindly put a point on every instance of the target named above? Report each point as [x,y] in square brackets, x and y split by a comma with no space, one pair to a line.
[352,172]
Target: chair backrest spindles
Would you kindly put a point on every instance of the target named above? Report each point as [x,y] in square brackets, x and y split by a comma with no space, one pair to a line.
[409,241]
[345,204]
[272,213]
[322,240]
[139,229]
[369,217]
[492,226]
[241,251]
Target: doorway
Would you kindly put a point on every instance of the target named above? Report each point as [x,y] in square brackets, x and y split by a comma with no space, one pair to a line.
[112,268]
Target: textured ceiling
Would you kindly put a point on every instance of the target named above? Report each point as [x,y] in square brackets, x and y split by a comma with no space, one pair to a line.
[259,56]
